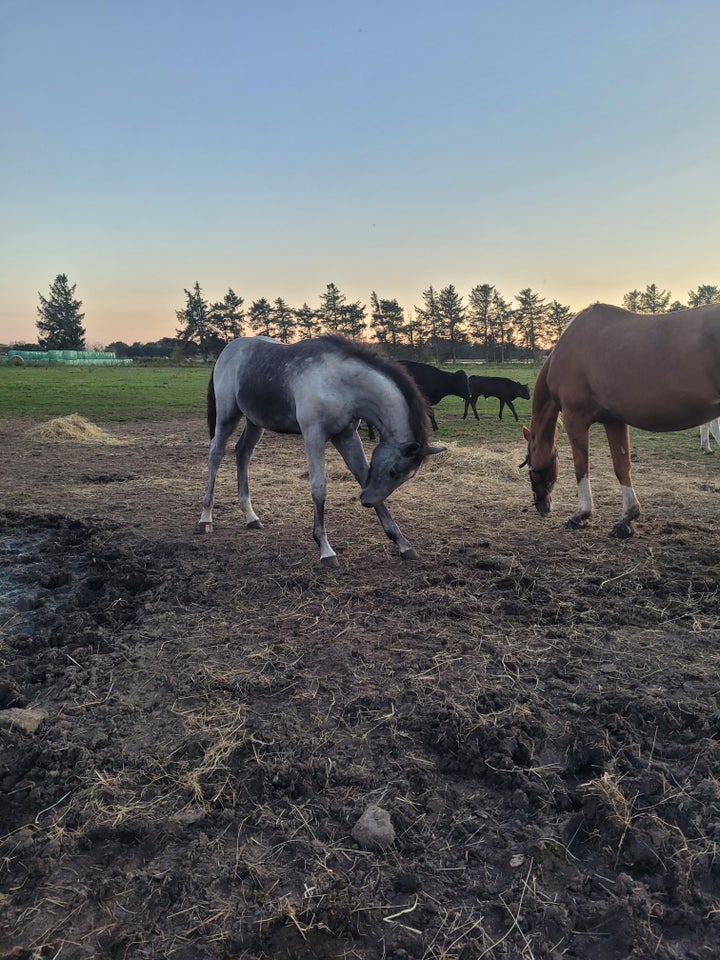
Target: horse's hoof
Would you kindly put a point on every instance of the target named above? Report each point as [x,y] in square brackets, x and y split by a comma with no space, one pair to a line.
[254,525]
[409,554]
[329,561]
[204,527]
[576,523]
[622,530]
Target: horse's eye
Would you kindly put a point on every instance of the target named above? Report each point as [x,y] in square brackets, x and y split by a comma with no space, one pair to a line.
[393,473]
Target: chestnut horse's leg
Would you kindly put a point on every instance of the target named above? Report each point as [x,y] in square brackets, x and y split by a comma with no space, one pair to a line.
[577,432]
[618,436]
[349,446]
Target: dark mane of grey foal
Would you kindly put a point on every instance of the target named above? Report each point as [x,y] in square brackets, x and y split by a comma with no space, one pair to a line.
[416,402]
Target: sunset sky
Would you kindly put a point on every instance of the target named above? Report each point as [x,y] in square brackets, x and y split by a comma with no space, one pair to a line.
[275,147]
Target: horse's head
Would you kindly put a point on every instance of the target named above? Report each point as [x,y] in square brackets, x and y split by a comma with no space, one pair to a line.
[542,478]
[391,465]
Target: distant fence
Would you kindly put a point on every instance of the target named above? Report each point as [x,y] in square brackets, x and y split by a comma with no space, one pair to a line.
[69,357]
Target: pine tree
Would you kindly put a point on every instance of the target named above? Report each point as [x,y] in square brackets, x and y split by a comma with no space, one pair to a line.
[411,330]
[225,321]
[260,317]
[500,325]
[195,322]
[306,322]
[428,320]
[633,301]
[352,320]
[479,310]
[705,293]
[60,324]
[651,300]
[558,317]
[387,321]
[330,313]
[283,319]
[530,319]
[655,300]
[452,313]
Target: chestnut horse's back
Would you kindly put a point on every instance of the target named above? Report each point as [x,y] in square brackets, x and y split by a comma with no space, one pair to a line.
[658,372]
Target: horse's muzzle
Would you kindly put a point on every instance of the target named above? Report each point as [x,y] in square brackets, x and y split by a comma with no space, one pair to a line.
[543,507]
[364,501]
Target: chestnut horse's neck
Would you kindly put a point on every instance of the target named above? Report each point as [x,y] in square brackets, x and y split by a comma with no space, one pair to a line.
[543,426]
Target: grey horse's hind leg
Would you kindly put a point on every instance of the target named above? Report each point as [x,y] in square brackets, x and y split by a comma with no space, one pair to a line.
[223,431]
[243,452]
[350,448]
[315,455]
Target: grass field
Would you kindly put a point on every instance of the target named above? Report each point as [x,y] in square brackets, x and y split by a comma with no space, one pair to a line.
[157,393]
[124,394]
[104,393]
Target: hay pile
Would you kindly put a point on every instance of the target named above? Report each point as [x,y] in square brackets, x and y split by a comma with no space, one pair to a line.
[72,428]
[457,462]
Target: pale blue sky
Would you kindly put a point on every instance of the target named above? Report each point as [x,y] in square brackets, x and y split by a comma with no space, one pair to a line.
[275,147]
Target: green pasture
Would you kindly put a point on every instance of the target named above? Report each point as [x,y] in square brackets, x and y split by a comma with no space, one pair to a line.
[121,394]
[156,393]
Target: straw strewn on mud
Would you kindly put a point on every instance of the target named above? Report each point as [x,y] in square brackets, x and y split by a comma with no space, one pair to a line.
[72,428]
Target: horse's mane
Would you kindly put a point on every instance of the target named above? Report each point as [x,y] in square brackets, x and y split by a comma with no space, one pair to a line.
[416,402]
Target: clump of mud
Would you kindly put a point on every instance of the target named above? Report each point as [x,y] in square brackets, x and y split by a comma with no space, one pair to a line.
[73,428]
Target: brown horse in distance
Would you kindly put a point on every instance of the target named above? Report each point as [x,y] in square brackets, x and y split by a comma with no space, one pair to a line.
[610,366]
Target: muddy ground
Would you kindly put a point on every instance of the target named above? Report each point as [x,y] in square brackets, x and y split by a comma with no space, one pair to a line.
[191,726]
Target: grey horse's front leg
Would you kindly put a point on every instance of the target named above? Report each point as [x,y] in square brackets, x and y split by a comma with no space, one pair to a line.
[350,448]
[315,455]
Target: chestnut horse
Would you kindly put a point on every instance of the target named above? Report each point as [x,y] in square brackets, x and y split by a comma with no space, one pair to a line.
[654,372]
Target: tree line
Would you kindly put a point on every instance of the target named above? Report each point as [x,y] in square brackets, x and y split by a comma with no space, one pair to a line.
[485,326]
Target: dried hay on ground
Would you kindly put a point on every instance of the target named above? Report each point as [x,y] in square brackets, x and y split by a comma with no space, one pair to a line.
[73,428]
[457,460]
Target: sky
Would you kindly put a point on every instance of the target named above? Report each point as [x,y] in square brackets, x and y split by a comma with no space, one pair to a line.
[274,147]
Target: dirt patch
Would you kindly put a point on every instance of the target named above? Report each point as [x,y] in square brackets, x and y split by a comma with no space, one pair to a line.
[208,717]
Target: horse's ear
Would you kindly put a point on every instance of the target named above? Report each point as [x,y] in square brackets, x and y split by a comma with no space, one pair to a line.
[526,434]
[429,451]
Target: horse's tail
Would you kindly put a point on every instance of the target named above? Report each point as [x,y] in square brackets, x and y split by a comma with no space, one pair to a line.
[211,408]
